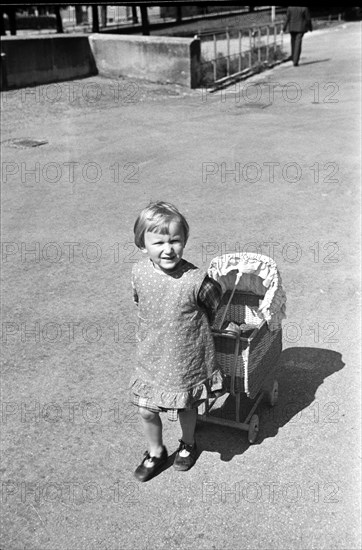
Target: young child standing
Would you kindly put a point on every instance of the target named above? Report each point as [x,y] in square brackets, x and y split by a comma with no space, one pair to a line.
[176,368]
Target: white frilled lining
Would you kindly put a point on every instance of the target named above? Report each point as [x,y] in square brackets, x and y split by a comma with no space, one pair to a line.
[252,272]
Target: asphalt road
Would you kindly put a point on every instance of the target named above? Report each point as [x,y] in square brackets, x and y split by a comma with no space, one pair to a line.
[273,165]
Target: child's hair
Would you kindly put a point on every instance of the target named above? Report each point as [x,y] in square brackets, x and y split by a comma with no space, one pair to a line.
[158,216]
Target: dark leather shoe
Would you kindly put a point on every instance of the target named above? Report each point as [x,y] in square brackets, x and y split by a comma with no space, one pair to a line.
[184,463]
[143,473]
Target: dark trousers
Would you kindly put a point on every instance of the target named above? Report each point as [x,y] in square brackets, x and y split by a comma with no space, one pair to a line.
[296,44]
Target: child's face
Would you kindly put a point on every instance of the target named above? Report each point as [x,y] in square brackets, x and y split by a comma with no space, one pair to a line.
[165,250]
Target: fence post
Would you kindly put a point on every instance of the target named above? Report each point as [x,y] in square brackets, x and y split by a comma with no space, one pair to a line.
[3,72]
[95,19]
[240,46]
[267,43]
[227,52]
[179,14]
[259,45]
[144,19]
[215,58]
[103,15]
[275,38]
[134,15]
[251,46]
[58,19]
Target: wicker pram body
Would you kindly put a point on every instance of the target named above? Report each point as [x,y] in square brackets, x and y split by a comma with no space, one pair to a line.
[248,359]
[247,329]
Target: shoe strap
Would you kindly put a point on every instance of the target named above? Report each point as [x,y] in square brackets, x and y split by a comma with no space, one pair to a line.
[184,446]
[147,456]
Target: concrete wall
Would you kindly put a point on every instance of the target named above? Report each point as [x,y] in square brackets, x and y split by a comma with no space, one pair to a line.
[154,58]
[41,60]
[45,59]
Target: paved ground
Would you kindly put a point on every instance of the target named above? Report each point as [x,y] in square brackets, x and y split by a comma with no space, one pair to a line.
[71,441]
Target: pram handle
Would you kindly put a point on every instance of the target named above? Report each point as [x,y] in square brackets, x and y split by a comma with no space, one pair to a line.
[227,307]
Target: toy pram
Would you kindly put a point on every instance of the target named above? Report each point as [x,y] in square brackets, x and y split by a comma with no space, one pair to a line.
[247,333]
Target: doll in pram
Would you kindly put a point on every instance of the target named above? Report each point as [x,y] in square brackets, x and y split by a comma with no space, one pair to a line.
[247,333]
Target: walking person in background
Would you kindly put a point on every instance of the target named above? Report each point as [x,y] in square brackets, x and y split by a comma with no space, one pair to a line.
[299,22]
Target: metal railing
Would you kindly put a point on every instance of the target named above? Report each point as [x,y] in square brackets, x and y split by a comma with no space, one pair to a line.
[233,52]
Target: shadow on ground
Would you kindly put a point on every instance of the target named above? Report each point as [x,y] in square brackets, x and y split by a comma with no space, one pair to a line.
[316,61]
[300,372]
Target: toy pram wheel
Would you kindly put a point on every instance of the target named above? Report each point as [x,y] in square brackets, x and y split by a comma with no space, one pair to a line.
[253,428]
[272,395]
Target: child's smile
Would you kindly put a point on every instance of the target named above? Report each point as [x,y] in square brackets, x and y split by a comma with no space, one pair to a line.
[165,250]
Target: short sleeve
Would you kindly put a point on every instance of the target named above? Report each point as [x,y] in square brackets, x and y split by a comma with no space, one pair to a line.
[209,297]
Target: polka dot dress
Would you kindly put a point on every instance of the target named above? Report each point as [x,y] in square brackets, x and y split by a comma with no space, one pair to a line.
[175,352]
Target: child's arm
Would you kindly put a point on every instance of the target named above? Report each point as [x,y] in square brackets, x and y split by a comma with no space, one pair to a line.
[209,297]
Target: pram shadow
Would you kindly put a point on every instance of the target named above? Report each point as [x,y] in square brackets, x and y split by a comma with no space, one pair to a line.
[300,372]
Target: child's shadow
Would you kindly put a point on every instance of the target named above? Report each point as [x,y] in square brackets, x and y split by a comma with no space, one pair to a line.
[300,372]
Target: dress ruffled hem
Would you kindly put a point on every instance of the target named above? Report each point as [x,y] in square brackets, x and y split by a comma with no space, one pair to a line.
[169,399]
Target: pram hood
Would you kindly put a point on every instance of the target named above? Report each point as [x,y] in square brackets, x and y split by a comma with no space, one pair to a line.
[251,272]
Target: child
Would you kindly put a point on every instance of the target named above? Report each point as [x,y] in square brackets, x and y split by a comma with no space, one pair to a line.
[176,367]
